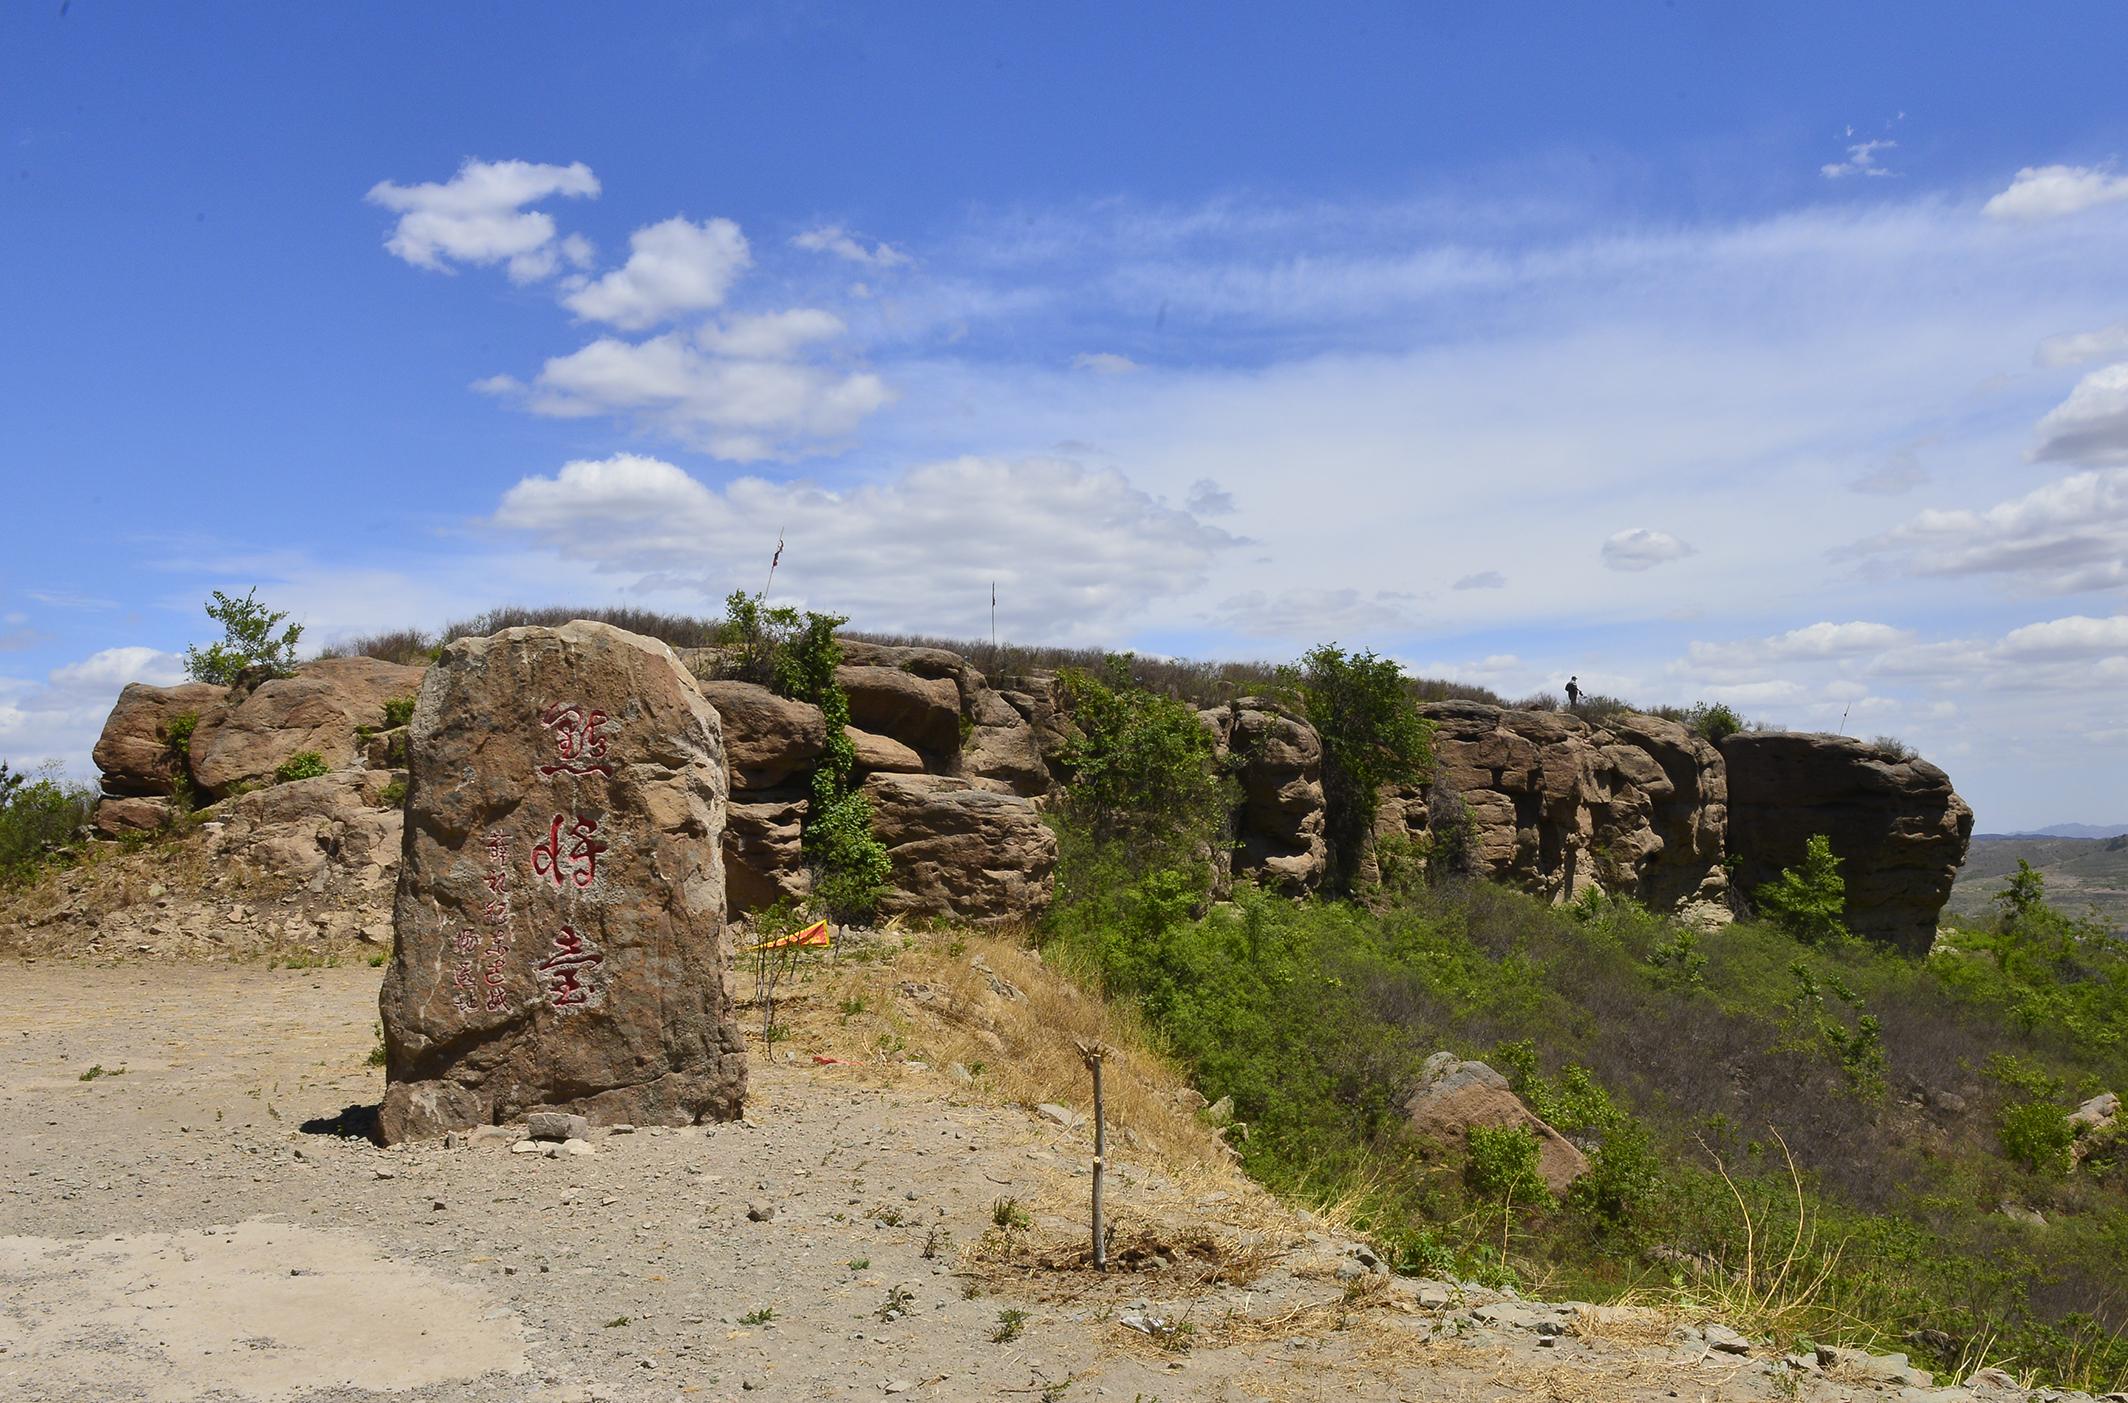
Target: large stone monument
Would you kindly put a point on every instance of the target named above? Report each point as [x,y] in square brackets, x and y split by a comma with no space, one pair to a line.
[559,927]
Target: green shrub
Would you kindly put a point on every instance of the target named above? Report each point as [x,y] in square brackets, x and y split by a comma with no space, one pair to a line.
[1372,735]
[1713,721]
[1500,1166]
[2037,1135]
[304,764]
[2024,892]
[398,711]
[1809,901]
[249,643]
[42,821]
[1142,783]
[394,794]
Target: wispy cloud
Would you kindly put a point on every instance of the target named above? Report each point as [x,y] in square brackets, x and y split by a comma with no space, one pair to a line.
[478,216]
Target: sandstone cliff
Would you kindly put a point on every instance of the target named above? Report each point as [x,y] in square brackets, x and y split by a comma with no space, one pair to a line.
[960,770]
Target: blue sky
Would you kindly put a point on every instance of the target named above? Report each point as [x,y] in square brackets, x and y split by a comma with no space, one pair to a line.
[1773,354]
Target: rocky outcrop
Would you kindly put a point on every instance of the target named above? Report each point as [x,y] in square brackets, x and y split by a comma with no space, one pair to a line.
[559,937]
[764,853]
[921,712]
[959,850]
[1542,800]
[1277,760]
[322,708]
[136,753]
[1453,1096]
[767,739]
[1898,828]
[1549,803]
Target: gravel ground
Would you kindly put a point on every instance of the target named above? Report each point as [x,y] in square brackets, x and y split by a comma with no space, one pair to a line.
[195,1222]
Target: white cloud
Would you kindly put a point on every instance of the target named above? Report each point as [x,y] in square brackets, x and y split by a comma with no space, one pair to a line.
[57,721]
[2077,636]
[1899,472]
[674,267]
[2091,426]
[1861,160]
[2079,347]
[2066,537]
[834,239]
[1348,616]
[1208,498]
[1819,641]
[770,335]
[478,216]
[1075,552]
[1642,549]
[1104,363]
[742,410]
[499,386]
[2049,192]
[1484,579]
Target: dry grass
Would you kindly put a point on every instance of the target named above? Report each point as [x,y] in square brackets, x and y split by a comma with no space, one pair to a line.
[988,1003]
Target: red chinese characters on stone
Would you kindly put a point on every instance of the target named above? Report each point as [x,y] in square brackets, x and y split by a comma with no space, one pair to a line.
[570,969]
[579,749]
[566,863]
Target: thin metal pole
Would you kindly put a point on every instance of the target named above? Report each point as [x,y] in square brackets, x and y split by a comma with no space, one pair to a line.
[1093,1060]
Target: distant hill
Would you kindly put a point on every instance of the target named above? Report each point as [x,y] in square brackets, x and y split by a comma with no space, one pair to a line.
[2081,873]
[2076,830]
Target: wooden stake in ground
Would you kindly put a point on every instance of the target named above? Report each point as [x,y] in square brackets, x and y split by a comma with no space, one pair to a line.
[1091,1054]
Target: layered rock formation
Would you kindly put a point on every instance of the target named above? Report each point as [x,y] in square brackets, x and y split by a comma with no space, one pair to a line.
[559,927]
[1543,801]
[1895,823]
[1552,804]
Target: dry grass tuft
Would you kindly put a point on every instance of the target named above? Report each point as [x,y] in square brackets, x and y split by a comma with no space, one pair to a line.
[988,1003]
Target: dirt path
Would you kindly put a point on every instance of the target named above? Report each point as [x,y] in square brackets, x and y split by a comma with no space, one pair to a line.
[186,1225]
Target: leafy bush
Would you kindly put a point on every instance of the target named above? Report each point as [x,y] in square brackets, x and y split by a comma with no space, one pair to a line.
[249,644]
[1500,1166]
[2023,893]
[1893,749]
[41,821]
[1142,780]
[304,764]
[1372,736]
[1810,901]
[398,711]
[2037,1135]
[1713,721]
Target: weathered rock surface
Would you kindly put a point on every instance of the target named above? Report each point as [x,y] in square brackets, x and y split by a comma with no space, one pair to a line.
[1896,825]
[883,754]
[1003,749]
[134,751]
[117,817]
[1660,816]
[559,927]
[959,850]
[1278,759]
[764,855]
[921,712]
[1454,1095]
[767,739]
[320,709]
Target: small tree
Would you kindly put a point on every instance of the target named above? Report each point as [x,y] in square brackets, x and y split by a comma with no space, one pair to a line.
[249,643]
[1809,901]
[1144,779]
[1372,735]
[2024,893]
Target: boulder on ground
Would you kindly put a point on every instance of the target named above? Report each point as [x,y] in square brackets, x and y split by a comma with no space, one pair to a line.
[922,712]
[764,855]
[119,816]
[1895,823]
[559,939]
[767,739]
[320,709]
[1454,1095]
[959,850]
[134,752]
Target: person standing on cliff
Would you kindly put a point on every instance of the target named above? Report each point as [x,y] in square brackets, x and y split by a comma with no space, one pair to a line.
[1573,694]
